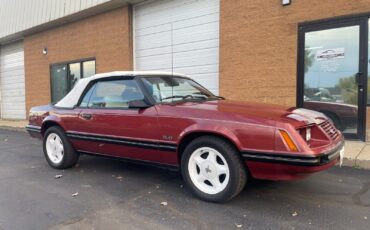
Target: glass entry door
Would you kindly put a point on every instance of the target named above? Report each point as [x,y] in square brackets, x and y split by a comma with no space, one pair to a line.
[331,78]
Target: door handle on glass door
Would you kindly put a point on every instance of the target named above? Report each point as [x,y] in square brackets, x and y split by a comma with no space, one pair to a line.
[86,116]
[358,79]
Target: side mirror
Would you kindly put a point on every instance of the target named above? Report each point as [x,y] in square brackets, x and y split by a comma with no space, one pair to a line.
[138,104]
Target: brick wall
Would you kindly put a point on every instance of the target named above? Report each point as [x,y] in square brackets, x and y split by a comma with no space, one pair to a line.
[258,54]
[107,37]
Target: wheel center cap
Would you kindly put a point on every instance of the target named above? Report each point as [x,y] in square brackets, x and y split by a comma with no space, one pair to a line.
[208,170]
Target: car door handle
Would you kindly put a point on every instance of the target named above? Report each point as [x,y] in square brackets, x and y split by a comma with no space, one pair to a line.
[86,116]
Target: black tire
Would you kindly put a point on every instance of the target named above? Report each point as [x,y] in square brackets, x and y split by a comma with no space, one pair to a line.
[70,156]
[237,169]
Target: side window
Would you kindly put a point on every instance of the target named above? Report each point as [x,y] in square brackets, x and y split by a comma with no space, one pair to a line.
[86,98]
[114,94]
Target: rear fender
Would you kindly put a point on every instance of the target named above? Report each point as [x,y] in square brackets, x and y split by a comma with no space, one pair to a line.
[51,120]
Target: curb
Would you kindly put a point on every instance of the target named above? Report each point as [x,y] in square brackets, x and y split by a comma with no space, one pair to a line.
[11,128]
[356,163]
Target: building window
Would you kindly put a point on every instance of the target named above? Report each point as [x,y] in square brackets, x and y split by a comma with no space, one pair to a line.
[65,75]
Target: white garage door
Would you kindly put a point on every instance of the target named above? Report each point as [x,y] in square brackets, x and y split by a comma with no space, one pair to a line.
[179,34]
[12,87]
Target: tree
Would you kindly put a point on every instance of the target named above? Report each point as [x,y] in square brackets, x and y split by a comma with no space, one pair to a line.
[349,89]
[308,59]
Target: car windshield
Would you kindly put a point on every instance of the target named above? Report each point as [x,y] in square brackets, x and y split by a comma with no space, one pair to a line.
[170,89]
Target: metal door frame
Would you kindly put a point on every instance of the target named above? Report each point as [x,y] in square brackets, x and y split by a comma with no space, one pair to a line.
[362,22]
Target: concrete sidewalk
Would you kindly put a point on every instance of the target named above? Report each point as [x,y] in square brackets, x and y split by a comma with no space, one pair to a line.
[357,153]
[16,125]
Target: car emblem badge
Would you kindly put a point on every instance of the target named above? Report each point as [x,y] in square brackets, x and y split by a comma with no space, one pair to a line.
[167,137]
[208,170]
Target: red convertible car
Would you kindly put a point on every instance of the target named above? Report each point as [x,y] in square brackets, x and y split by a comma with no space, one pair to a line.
[170,120]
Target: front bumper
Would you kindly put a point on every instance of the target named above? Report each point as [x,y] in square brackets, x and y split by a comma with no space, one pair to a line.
[275,166]
[34,131]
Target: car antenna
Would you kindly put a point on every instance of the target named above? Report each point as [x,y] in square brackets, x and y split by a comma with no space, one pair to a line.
[172,48]
[172,53]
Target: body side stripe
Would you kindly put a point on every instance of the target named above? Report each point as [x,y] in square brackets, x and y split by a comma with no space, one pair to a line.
[124,141]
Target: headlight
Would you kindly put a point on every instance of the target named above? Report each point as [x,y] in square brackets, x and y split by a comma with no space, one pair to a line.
[306,133]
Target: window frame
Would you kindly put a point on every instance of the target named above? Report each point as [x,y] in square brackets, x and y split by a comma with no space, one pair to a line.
[67,63]
[93,83]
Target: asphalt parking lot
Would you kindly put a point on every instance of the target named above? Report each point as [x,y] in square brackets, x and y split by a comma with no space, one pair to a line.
[117,195]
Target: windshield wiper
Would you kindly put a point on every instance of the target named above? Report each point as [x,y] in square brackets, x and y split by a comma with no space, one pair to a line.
[208,97]
[194,98]
[178,96]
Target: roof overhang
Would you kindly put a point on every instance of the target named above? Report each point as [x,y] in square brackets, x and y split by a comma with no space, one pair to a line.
[105,7]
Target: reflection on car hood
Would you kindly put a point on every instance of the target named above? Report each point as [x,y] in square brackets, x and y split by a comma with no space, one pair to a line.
[250,111]
[310,116]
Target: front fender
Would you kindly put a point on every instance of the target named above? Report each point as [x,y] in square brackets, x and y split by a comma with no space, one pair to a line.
[217,130]
[245,136]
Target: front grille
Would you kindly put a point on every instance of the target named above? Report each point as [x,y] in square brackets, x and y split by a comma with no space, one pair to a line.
[329,129]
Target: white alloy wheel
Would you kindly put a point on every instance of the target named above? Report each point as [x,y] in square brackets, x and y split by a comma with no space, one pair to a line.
[208,170]
[54,148]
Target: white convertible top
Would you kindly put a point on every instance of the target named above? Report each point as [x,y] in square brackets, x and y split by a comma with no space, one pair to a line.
[71,99]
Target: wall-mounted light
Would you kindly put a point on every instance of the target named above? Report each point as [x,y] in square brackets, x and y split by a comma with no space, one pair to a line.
[45,51]
[286,2]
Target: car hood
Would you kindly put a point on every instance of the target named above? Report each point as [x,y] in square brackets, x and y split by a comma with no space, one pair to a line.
[253,111]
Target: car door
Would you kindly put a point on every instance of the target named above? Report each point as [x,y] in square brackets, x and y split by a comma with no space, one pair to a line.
[108,126]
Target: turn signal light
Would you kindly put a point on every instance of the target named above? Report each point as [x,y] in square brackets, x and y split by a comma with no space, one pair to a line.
[288,141]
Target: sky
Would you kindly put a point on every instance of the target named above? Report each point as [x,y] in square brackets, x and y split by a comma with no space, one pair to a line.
[326,73]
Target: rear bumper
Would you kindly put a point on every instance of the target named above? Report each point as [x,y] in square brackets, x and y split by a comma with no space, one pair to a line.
[289,167]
